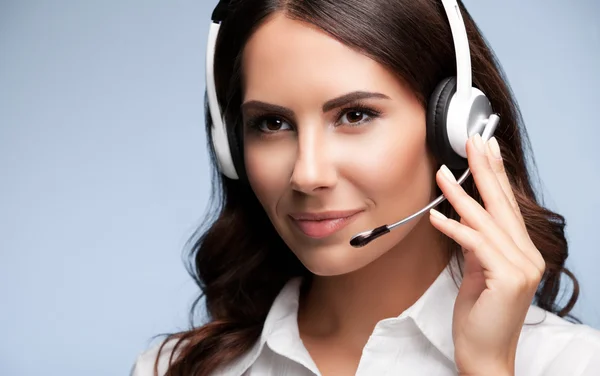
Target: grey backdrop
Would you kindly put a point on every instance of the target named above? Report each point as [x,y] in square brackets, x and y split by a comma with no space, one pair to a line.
[104,174]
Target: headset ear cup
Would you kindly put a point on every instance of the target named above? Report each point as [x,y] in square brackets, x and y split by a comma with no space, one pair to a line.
[437,133]
[432,111]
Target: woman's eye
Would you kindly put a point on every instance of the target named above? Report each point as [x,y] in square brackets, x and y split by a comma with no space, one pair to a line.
[272,124]
[354,117]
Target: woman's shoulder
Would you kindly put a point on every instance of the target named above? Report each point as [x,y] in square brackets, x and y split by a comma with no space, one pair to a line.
[552,345]
[144,364]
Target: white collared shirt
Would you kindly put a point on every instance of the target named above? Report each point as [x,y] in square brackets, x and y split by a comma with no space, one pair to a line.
[418,342]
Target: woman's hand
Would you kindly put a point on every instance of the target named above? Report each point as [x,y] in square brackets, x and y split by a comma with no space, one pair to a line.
[502,265]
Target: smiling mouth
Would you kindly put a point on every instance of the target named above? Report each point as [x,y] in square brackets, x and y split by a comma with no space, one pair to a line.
[322,225]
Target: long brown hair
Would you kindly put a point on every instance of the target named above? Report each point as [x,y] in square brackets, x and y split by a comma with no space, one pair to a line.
[239,261]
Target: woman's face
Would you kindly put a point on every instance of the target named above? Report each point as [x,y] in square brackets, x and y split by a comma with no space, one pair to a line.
[334,145]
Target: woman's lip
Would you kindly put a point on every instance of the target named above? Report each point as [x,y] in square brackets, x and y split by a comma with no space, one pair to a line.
[322,228]
[323,215]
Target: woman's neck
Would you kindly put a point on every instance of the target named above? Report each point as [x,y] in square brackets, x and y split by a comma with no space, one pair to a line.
[347,307]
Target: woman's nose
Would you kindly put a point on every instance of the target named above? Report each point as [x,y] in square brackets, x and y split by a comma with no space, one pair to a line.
[314,168]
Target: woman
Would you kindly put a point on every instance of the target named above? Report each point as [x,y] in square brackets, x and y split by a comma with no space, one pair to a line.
[328,104]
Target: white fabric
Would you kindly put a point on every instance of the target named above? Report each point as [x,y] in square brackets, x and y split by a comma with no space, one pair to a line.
[418,342]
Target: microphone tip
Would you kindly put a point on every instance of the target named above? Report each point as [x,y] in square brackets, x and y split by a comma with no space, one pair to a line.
[360,240]
[364,238]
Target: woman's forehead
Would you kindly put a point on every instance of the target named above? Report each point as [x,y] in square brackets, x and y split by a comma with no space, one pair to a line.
[289,56]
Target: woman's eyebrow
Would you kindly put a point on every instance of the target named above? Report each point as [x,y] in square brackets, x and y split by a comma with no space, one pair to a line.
[267,107]
[327,106]
[351,97]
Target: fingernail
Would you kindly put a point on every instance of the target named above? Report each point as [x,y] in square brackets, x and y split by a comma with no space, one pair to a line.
[494,148]
[478,143]
[448,174]
[437,214]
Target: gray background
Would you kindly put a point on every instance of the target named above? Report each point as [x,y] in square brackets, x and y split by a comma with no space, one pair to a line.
[104,173]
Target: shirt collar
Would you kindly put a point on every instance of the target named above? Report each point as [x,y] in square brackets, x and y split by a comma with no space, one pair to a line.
[432,313]
[280,331]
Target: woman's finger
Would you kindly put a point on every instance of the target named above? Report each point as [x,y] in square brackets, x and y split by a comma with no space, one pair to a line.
[479,219]
[471,240]
[497,164]
[496,192]
[523,241]
[494,262]
[493,194]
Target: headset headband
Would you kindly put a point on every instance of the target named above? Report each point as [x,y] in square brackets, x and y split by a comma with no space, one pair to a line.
[461,49]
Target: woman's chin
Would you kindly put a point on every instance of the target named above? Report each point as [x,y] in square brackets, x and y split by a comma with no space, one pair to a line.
[332,260]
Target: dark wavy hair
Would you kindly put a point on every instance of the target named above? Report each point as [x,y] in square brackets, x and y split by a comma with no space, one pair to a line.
[239,261]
